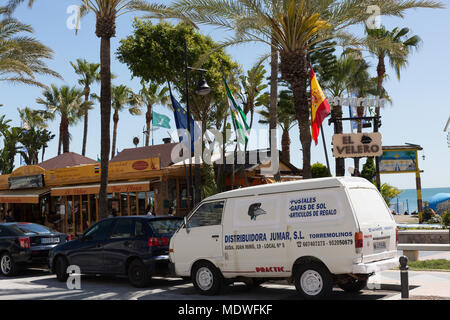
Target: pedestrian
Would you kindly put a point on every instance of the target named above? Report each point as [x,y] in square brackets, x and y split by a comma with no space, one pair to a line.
[150,210]
[406,213]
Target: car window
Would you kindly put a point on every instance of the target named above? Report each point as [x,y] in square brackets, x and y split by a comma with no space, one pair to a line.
[4,232]
[139,229]
[209,214]
[122,229]
[165,226]
[99,231]
[32,228]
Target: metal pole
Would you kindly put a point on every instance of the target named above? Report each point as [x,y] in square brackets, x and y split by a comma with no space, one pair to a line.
[404,276]
[188,115]
[325,148]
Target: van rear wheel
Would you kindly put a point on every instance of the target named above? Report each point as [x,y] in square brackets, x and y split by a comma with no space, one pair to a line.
[207,279]
[313,281]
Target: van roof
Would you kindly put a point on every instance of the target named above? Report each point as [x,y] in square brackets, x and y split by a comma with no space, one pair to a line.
[321,183]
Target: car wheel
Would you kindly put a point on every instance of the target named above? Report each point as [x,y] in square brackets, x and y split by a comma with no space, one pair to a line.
[353,285]
[207,279]
[61,269]
[138,274]
[7,265]
[313,281]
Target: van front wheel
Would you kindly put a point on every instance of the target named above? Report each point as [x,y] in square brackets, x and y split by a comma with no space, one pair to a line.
[313,281]
[207,279]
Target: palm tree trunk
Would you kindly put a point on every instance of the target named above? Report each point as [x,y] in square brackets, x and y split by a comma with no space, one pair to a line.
[105,116]
[116,121]
[87,91]
[60,138]
[148,120]
[294,70]
[273,120]
[285,146]
[65,135]
[381,70]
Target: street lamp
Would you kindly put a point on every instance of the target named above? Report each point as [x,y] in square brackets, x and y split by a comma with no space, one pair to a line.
[202,89]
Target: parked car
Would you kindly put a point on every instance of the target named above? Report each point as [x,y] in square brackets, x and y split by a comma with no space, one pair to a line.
[314,233]
[134,246]
[26,244]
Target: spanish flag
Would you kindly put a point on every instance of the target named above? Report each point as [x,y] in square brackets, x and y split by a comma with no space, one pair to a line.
[320,108]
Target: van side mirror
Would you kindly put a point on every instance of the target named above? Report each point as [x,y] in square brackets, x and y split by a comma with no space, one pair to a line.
[186,224]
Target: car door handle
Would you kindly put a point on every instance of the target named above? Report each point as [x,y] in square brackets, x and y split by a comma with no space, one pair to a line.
[216,236]
[127,244]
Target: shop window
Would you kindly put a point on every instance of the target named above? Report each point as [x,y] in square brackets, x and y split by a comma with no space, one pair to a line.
[141,203]
[124,204]
[93,206]
[84,213]
[133,208]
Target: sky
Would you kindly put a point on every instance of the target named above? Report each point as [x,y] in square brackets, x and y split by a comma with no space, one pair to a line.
[418,114]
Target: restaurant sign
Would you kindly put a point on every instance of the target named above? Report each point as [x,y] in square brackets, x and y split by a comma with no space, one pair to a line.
[357,145]
[26,182]
[398,161]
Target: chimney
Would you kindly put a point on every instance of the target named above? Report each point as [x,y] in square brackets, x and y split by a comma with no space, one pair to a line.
[167,140]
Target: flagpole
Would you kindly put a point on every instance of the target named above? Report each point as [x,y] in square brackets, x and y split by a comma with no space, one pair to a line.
[325,148]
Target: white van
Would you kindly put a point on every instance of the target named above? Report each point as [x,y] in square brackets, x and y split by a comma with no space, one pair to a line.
[314,233]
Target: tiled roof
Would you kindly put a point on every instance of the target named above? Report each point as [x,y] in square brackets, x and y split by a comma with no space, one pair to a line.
[163,151]
[69,159]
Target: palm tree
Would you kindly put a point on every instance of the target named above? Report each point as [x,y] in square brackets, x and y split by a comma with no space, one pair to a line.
[69,105]
[252,85]
[21,56]
[33,140]
[33,119]
[149,96]
[293,28]
[11,138]
[286,118]
[89,74]
[122,97]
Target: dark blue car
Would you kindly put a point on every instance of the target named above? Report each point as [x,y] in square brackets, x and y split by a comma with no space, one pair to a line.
[135,246]
[25,244]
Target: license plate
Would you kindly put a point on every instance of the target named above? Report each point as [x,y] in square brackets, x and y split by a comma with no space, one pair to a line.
[378,245]
[49,240]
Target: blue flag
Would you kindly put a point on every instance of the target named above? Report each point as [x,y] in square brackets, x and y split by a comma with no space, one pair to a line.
[181,123]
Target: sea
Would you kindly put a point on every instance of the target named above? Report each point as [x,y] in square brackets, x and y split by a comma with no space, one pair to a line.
[407,201]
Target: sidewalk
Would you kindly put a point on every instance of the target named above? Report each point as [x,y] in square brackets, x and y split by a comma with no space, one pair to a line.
[424,285]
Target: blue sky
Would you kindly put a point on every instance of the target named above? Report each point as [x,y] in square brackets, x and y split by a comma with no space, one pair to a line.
[418,114]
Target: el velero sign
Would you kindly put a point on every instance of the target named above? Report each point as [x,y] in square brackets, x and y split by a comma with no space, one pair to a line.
[357,145]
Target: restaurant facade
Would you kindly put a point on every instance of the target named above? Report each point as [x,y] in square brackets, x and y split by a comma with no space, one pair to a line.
[63,192]
[65,198]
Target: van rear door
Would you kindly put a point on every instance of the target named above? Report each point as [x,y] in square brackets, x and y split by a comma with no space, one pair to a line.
[376,224]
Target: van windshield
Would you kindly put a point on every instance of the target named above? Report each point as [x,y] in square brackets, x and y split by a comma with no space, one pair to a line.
[369,205]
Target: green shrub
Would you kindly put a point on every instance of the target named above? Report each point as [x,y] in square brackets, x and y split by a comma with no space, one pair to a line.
[446,219]
[318,170]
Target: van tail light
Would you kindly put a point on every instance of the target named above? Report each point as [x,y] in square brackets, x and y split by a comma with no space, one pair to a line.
[24,243]
[359,242]
[158,242]
[69,237]
[396,236]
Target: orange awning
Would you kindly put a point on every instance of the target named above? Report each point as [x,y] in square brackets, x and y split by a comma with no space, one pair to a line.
[23,196]
[95,189]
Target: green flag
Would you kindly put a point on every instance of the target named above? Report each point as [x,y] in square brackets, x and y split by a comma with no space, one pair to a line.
[239,118]
[160,120]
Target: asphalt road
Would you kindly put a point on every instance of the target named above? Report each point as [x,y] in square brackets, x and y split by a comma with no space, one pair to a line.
[37,284]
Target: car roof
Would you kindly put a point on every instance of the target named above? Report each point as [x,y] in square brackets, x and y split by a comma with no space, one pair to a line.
[146,217]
